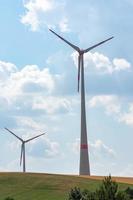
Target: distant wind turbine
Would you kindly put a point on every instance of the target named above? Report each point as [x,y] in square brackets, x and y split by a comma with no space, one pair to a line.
[84,157]
[22,156]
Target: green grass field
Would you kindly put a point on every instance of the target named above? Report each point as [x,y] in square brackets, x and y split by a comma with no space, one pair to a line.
[30,186]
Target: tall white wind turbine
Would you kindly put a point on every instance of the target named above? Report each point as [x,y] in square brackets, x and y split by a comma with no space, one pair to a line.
[84,168]
[22,156]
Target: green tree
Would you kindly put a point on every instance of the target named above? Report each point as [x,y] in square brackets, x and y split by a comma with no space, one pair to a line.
[107,190]
[75,194]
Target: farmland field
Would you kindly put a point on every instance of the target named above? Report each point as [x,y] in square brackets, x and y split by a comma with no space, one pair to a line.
[37,186]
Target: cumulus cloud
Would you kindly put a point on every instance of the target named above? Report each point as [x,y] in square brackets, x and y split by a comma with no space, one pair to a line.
[33,9]
[44,148]
[127,117]
[40,13]
[27,96]
[31,75]
[30,124]
[114,106]
[6,69]
[52,104]
[97,62]
[109,102]
[28,101]
[121,64]
[100,149]
[31,90]
[29,79]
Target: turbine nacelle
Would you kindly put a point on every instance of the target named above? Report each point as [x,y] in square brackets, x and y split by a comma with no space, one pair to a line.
[81,52]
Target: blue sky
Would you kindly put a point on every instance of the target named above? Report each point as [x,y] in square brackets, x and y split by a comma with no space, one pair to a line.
[38,84]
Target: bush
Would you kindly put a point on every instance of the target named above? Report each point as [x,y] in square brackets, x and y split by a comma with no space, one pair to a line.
[75,194]
[107,191]
[9,198]
[88,195]
[121,195]
[129,191]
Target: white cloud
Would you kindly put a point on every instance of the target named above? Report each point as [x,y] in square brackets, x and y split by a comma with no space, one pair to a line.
[34,8]
[64,25]
[99,149]
[97,62]
[121,64]
[44,148]
[52,148]
[52,104]
[127,117]
[32,74]
[114,106]
[28,100]
[29,79]
[109,102]
[41,13]
[32,90]
[30,124]
[6,69]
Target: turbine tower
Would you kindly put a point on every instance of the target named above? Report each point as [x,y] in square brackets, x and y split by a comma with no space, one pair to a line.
[22,156]
[84,168]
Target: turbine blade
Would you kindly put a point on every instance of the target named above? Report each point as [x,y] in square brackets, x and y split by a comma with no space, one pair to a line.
[88,49]
[72,45]
[14,134]
[78,71]
[34,137]
[22,148]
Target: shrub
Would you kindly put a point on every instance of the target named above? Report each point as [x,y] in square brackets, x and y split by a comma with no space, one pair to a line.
[75,194]
[129,191]
[107,191]
[87,195]
[121,195]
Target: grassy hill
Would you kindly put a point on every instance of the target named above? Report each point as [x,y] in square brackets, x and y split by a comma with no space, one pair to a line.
[33,186]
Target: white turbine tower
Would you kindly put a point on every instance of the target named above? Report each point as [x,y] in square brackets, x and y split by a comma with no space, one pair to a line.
[22,156]
[84,157]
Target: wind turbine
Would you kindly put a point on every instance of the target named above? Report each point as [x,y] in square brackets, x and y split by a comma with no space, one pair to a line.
[84,168]
[22,156]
